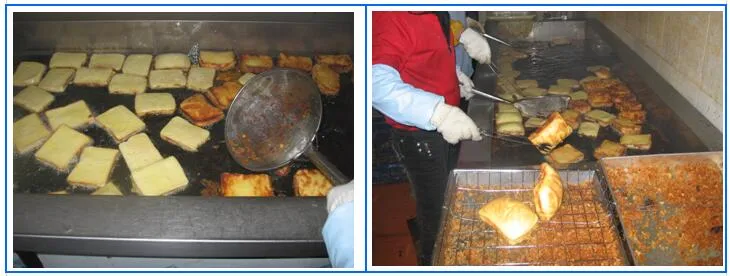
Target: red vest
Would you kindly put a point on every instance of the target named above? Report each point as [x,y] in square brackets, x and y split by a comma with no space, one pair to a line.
[414,44]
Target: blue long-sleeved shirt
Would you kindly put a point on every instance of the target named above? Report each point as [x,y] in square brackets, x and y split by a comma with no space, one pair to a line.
[338,233]
[400,101]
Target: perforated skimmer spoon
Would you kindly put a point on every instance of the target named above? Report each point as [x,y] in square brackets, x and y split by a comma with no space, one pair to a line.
[273,120]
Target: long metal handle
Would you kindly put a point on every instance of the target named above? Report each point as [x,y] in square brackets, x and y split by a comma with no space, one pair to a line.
[511,140]
[483,94]
[497,40]
[324,165]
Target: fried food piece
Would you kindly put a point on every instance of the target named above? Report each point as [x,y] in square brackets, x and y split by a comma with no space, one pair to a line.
[236,184]
[534,122]
[327,79]
[511,218]
[218,60]
[226,76]
[548,192]
[637,117]
[589,129]
[571,117]
[137,64]
[506,108]
[509,75]
[201,113]
[568,83]
[578,96]
[94,167]
[283,171]
[163,177]
[339,63]
[245,78]
[57,79]
[93,77]
[637,142]
[184,135]
[609,149]
[625,127]
[627,98]
[295,62]
[154,104]
[603,73]
[506,86]
[76,115]
[28,73]
[29,133]
[566,154]
[167,79]
[601,117]
[139,152]
[67,60]
[33,99]
[599,99]
[559,90]
[127,84]
[629,106]
[552,132]
[62,147]
[222,96]
[200,79]
[111,61]
[256,64]
[582,106]
[311,182]
[532,92]
[172,61]
[120,123]
[587,79]
[108,190]
[522,84]
[599,84]
[619,90]
[502,118]
[511,129]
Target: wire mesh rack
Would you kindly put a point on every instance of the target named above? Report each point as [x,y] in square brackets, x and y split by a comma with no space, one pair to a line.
[583,232]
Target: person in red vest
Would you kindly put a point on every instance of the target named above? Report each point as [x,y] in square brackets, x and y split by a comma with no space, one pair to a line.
[416,86]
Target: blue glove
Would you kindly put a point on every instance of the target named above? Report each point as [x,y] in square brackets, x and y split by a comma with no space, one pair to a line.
[338,231]
[400,101]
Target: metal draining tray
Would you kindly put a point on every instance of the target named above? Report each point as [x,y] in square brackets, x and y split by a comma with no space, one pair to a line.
[583,232]
[670,206]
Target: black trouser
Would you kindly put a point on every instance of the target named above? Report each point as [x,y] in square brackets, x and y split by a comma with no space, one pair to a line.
[428,159]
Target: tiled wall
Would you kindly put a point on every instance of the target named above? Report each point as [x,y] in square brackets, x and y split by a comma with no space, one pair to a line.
[686,48]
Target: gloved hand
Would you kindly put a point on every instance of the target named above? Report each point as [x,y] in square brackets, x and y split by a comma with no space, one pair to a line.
[339,195]
[465,84]
[476,46]
[339,229]
[471,23]
[454,124]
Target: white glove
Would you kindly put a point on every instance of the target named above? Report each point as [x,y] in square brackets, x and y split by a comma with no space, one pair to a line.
[476,46]
[454,124]
[465,84]
[339,195]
